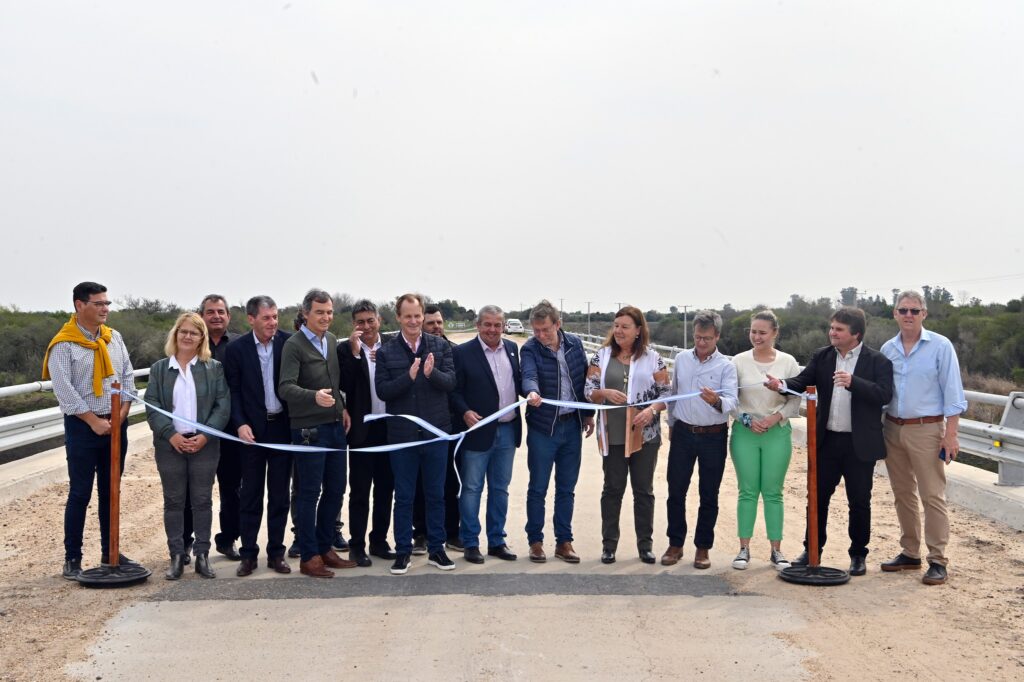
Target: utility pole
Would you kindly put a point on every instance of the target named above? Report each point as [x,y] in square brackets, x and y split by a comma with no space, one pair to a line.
[561,306]
[685,330]
[588,317]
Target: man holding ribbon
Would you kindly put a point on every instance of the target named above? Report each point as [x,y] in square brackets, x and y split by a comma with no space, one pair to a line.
[83,360]
[414,375]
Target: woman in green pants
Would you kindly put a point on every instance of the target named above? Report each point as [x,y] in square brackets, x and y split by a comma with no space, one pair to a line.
[761,443]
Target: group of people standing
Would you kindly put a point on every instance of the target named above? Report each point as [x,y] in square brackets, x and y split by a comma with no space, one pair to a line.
[271,388]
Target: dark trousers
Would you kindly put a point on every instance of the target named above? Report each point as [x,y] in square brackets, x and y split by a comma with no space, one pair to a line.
[639,469]
[837,460]
[270,469]
[320,487]
[229,481]
[195,472]
[707,451]
[428,463]
[366,469]
[88,458]
[451,502]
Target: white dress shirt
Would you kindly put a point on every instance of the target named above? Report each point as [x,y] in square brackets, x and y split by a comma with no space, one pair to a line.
[839,416]
[184,395]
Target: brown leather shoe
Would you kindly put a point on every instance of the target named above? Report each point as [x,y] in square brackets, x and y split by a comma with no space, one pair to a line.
[701,559]
[278,564]
[671,556]
[246,567]
[332,560]
[566,553]
[315,568]
[537,554]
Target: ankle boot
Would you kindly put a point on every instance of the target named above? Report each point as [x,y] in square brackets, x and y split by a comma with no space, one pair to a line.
[203,566]
[176,568]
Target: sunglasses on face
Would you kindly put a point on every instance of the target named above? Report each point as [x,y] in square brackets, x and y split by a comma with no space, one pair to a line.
[913,311]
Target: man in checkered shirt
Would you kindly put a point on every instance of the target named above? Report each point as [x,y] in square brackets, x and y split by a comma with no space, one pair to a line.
[84,397]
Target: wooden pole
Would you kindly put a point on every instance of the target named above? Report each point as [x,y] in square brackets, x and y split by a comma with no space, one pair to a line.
[114,552]
[813,551]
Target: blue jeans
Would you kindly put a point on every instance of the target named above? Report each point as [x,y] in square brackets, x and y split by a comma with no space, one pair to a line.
[560,451]
[320,487]
[496,465]
[430,462]
[706,450]
[88,459]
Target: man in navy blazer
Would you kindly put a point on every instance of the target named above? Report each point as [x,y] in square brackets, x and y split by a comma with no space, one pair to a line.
[853,383]
[252,366]
[488,379]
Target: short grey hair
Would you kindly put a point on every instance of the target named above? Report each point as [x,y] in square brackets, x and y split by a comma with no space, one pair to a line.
[708,318]
[488,310]
[911,294]
[213,298]
[363,306]
[253,305]
[318,295]
[545,311]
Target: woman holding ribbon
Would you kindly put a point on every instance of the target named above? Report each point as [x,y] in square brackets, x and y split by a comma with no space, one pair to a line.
[761,445]
[624,372]
[189,384]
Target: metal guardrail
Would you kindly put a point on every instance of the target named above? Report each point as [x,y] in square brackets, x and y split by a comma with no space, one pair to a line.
[1002,443]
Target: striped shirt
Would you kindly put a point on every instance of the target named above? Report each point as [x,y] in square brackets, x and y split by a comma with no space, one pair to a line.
[71,366]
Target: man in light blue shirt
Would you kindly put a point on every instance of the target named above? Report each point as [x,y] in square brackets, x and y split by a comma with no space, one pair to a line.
[921,435]
[699,429]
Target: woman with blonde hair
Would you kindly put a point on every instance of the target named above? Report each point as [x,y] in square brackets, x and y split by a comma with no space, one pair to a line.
[625,370]
[190,384]
[761,444]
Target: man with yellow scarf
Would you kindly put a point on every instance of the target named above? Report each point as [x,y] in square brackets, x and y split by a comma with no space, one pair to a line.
[83,360]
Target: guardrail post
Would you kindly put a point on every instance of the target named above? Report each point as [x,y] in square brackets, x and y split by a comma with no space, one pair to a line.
[1011,473]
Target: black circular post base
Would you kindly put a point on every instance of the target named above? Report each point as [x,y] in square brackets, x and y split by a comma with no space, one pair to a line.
[113,576]
[814,575]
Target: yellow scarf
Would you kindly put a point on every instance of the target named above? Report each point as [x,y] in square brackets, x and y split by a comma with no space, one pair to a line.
[102,367]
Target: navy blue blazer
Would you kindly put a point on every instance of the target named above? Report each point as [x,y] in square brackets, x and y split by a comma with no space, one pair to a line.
[475,390]
[245,380]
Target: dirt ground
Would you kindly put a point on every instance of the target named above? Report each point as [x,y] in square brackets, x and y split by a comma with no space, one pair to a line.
[879,625]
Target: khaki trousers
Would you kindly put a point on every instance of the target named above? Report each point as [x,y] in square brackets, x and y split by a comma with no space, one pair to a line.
[917,476]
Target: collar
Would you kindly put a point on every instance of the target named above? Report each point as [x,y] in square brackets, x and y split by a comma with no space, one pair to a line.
[260,343]
[417,341]
[852,353]
[311,336]
[174,362]
[488,349]
[711,356]
[88,334]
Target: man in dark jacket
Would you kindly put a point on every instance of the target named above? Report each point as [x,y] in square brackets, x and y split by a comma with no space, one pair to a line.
[853,383]
[358,361]
[554,366]
[415,373]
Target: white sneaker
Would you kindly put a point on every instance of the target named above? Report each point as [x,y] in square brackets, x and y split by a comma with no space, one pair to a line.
[742,559]
[778,560]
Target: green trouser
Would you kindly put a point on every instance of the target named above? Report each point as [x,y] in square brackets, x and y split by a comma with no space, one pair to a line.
[761,461]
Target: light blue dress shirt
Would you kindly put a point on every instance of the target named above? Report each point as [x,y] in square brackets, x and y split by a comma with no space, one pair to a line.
[320,344]
[926,383]
[689,375]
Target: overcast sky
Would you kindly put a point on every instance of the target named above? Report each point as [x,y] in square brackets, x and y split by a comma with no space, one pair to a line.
[656,153]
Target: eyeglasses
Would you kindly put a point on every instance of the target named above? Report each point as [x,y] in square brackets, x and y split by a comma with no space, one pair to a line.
[913,311]
[99,304]
[703,339]
[189,332]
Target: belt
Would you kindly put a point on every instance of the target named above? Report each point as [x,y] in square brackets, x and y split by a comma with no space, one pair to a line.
[914,420]
[275,415]
[566,416]
[104,416]
[714,428]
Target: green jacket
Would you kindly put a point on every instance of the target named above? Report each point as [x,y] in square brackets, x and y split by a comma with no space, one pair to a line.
[304,371]
[213,400]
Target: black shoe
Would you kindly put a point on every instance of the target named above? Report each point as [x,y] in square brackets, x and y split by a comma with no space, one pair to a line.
[203,565]
[359,556]
[382,551]
[647,556]
[455,545]
[230,551]
[902,563]
[502,552]
[176,568]
[473,555]
[401,565]
[72,568]
[936,574]
[339,544]
[441,560]
[419,545]
[122,560]
[294,552]
[607,556]
[800,560]
[857,565]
